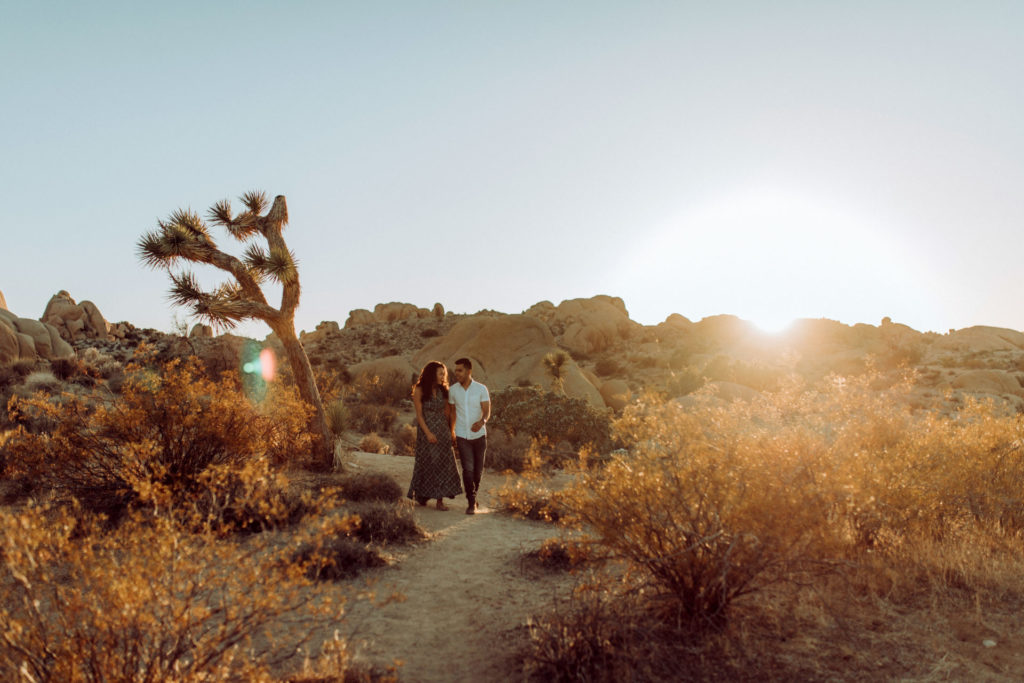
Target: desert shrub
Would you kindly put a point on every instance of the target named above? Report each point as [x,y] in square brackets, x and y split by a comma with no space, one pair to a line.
[42,381]
[182,604]
[366,418]
[16,372]
[606,367]
[551,416]
[429,332]
[337,558]
[366,486]
[389,388]
[510,453]
[65,369]
[559,554]
[684,381]
[164,431]
[596,635]
[529,496]
[385,522]
[99,364]
[337,416]
[405,440]
[372,443]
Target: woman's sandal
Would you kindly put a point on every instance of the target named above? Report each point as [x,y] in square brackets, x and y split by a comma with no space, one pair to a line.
[441,506]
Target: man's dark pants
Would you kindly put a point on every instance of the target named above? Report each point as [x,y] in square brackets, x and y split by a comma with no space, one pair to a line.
[471,455]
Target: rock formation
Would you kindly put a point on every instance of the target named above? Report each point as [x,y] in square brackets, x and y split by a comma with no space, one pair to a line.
[75,321]
[390,312]
[586,326]
[27,339]
[506,351]
[201,331]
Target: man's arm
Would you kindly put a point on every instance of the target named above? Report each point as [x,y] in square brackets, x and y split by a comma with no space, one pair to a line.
[485,412]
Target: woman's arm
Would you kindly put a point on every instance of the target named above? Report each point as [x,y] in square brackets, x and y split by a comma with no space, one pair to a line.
[417,400]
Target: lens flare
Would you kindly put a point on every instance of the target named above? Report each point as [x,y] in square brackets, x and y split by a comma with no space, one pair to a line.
[259,366]
[268,365]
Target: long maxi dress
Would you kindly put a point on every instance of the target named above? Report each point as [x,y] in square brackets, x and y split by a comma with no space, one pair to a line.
[435,474]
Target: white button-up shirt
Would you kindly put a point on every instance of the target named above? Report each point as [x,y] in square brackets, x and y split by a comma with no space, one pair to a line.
[467,408]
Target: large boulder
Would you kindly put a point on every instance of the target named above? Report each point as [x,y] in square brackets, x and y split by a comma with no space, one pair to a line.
[506,351]
[75,321]
[324,331]
[616,394]
[390,312]
[27,339]
[980,338]
[586,326]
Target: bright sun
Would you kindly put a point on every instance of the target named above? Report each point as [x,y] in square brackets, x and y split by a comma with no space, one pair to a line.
[768,256]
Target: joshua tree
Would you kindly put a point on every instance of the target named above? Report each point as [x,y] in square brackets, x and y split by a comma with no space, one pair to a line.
[555,364]
[184,236]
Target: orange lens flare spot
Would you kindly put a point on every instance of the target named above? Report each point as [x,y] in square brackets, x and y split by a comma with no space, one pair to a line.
[268,364]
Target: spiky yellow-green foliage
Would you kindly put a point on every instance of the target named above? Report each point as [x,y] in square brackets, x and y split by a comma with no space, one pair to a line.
[555,364]
[184,236]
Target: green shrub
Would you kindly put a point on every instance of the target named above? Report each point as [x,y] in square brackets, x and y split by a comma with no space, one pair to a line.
[550,416]
[386,522]
[390,388]
[337,416]
[510,453]
[337,558]
[370,486]
[365,418]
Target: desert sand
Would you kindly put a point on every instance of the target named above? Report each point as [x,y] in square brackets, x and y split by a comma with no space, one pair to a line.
[467,594]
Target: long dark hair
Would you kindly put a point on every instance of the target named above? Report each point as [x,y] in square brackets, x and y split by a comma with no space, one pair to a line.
[428,381]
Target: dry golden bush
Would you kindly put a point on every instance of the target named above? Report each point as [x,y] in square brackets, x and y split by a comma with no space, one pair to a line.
[146,602]
[844,487]
[405,440]
[169,430]
[372,443]
[532,497]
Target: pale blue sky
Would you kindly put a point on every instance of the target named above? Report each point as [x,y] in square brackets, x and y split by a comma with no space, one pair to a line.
[769,160]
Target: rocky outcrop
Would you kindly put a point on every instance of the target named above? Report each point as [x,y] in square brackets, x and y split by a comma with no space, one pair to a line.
[506,351]
[616,394]
[324,331]
[3,302]
[390,312]
[586,326]
[201,331]
[980,338]
[27,339]
[75,321]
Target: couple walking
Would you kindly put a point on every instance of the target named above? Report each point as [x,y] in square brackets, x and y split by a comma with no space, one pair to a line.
[444,414]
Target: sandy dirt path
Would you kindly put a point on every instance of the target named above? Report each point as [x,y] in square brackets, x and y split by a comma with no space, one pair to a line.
[468,595]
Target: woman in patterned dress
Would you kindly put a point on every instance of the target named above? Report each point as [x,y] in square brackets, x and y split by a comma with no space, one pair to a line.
[435,474]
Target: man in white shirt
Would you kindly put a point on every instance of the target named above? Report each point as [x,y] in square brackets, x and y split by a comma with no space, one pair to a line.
[472,404]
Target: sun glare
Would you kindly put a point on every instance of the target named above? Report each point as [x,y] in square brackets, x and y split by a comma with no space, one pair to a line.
[770,325]
[770,256]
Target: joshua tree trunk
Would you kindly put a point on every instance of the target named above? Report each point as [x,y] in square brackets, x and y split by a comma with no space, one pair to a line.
[302,370]
[184,236]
